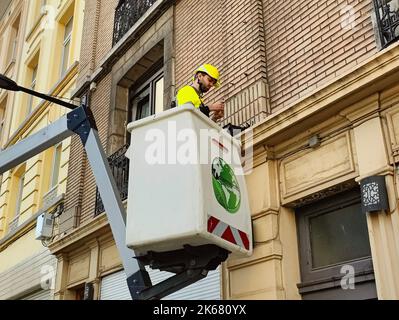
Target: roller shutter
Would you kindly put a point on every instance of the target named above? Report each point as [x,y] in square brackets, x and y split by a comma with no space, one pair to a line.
[114,287]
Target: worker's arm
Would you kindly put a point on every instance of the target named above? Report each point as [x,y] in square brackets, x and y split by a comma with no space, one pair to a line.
[218,110]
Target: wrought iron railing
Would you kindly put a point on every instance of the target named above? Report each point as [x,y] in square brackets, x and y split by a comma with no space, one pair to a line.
[120,170]
[127,13]
[387,13]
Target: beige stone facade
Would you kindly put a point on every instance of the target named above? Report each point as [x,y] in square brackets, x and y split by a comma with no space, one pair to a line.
[39,50]
[353,116]
[315,70]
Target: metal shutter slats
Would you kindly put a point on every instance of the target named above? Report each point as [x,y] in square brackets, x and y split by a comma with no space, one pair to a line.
[114,287]
[39,295]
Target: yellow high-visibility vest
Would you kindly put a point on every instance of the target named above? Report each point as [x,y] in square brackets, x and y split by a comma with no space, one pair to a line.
[187,94]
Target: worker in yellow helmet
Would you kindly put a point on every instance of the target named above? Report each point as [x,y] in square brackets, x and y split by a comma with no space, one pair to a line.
[205,77]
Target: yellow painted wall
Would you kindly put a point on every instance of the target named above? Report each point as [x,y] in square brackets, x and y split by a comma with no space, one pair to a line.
[42,45]
[18,251]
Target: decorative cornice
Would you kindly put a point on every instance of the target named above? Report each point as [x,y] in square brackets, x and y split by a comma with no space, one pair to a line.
[265,212]
[364,108]
[80,233]
[383,171]
[316,196]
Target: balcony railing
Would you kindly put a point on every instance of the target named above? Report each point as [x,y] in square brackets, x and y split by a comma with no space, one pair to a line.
[120,170]
[387,13]
[127,13]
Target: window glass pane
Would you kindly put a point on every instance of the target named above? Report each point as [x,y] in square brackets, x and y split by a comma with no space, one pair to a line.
[143,108]
[65,57]
[66,46]
[33,87]
[34,73]
[159,96]
[21,183]
[339,236]
[141,105]
[68,28]
[56,166]
[12,48]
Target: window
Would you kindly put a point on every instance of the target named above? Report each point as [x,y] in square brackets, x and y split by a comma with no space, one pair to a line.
[3,106]
[147,99]
[16,197]
[66,46]
[56,166]
[142,104]
[332,234]
[32,86]
[12,48]
[20,189]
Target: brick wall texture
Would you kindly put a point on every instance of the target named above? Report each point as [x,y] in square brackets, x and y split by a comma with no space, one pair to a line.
[226,33]
[97,34]
[96,43]
[312,42]
[270,55]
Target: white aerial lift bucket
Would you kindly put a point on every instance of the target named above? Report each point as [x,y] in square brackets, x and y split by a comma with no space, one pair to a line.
[186,185]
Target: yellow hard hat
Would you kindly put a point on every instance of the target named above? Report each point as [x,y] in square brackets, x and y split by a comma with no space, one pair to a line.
[211,71]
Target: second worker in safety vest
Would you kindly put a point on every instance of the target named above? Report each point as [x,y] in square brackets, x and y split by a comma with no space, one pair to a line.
[205,77]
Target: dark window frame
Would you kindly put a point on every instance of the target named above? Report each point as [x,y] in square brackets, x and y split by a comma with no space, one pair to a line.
[146,82]
[328,276]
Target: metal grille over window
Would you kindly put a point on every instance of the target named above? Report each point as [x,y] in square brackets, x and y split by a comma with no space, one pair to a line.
[127,13]
[387,13]
[120,170]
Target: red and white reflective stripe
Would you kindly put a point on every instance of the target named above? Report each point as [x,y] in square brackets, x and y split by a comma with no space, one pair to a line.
[220,145]
[227,232]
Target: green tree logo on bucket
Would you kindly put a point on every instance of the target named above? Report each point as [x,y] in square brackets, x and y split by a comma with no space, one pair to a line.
[225,185]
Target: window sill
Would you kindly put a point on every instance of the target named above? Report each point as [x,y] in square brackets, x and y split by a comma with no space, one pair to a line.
[9,66]
[333,282]
[50,199]
[13,225]
[35,26]
[24,228]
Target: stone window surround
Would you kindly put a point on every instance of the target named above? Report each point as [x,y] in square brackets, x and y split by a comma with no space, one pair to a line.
[164,36]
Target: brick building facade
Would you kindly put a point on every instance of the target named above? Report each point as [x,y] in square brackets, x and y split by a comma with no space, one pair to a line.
[39,49]
[315,69]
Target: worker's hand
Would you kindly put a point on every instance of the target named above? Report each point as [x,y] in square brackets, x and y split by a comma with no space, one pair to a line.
[217,115]
[217,106]
[217,110]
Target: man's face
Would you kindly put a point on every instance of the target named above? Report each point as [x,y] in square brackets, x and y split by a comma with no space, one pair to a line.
[206,82]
